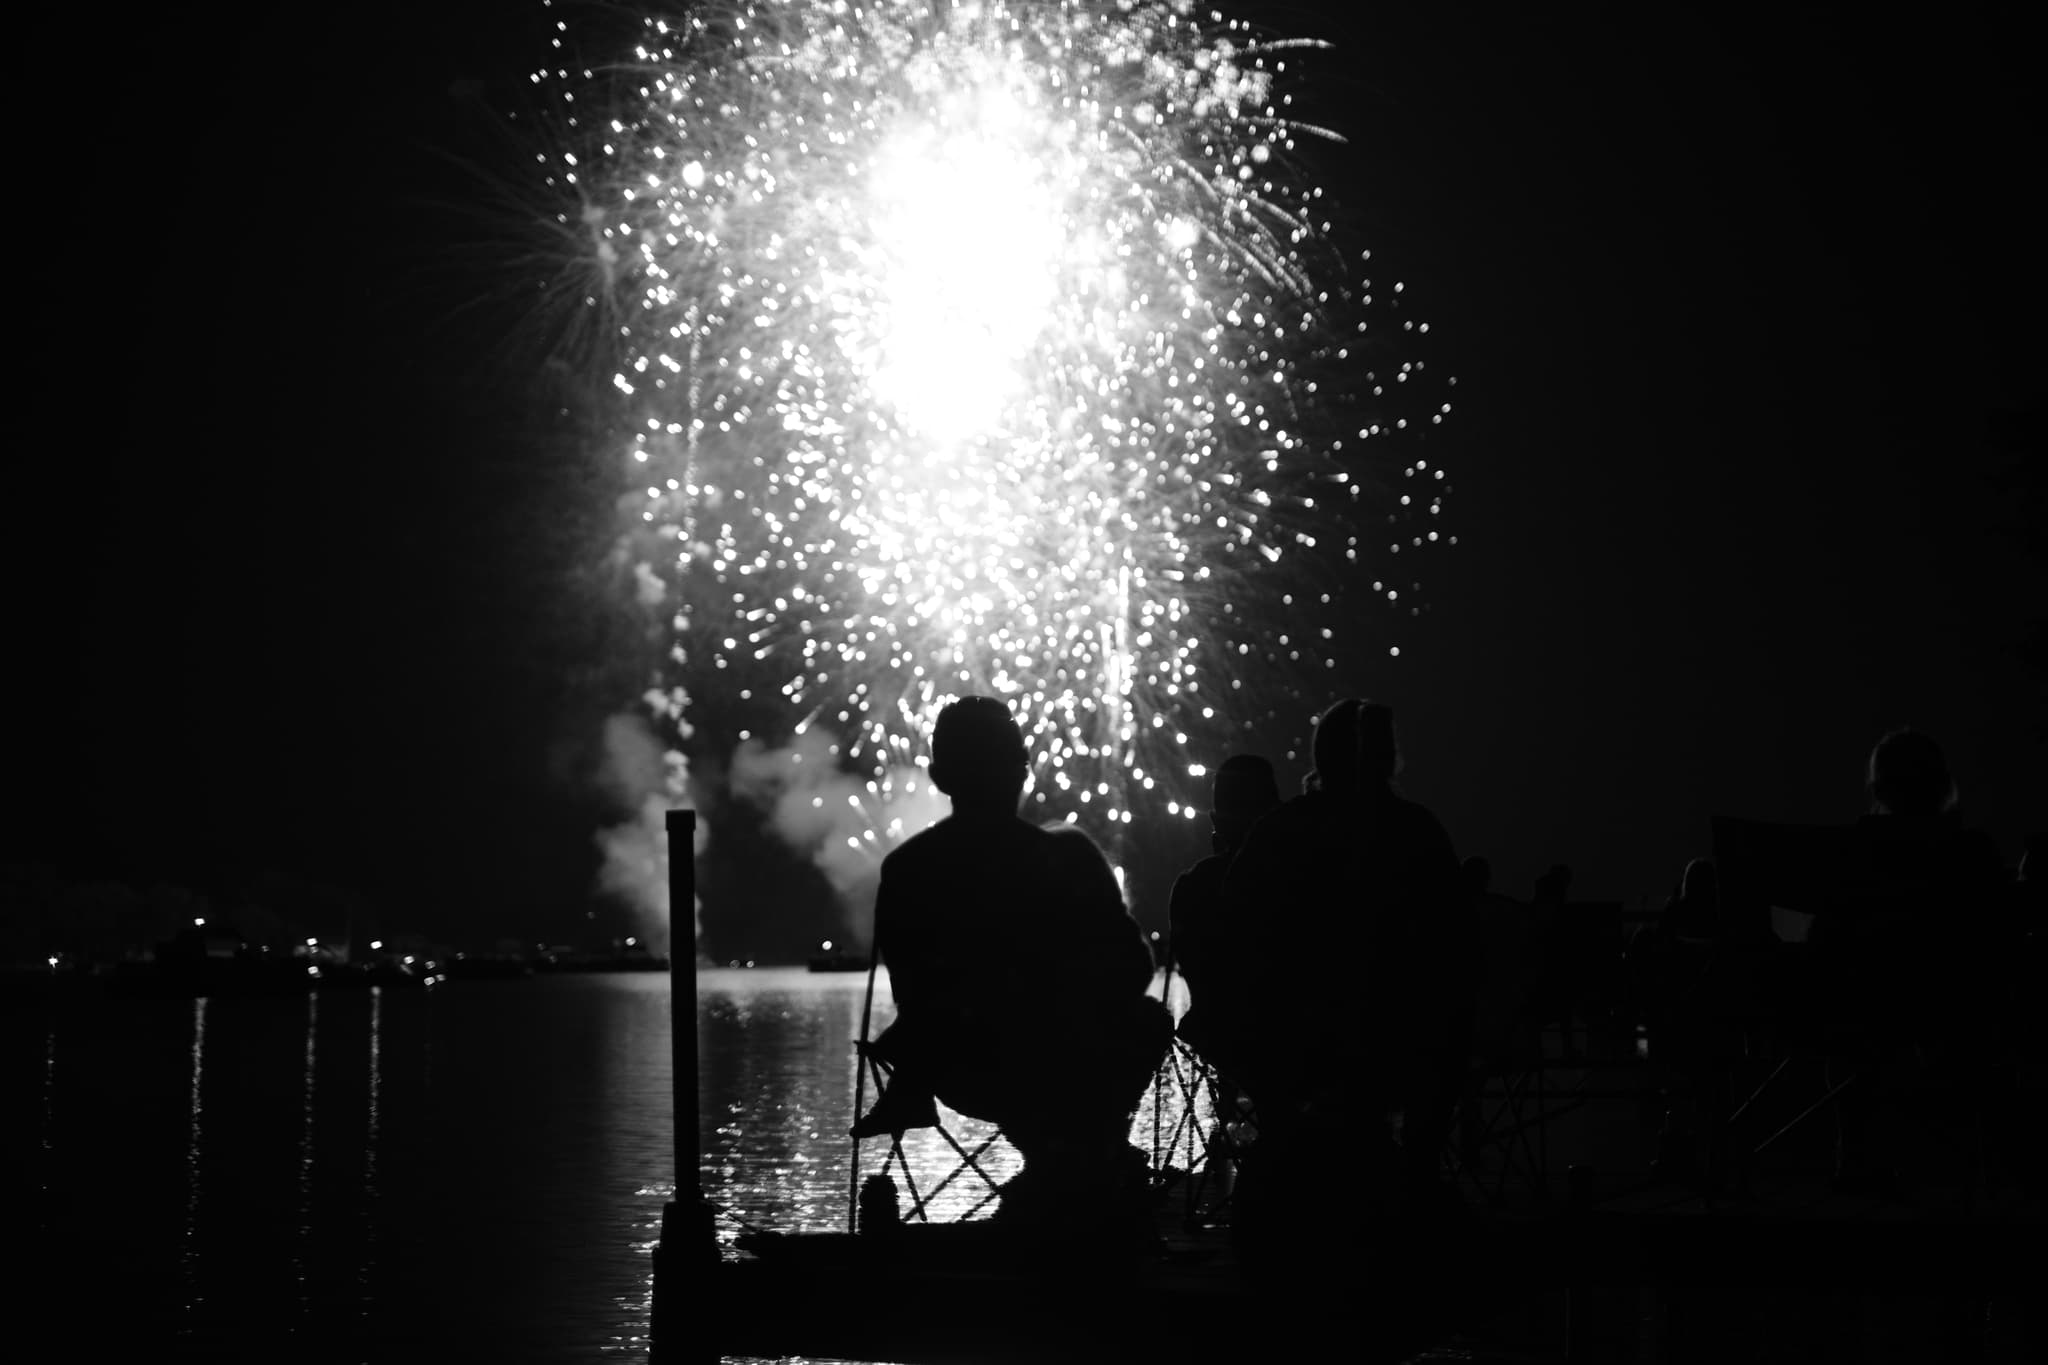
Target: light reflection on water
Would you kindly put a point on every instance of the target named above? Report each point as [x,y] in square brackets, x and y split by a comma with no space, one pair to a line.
[472,1172]
[189,1256]
[776,1050]
[305,1229]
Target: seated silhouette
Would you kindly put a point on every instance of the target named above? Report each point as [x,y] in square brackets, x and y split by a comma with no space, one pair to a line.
[1906,947]
[1018,975]
[1874,943]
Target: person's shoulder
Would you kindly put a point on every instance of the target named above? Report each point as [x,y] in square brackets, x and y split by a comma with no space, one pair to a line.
[1308,810]
[1411,809]
[1209,872]
[1415,819]
[1980,854]
[1070,849]
[920,847]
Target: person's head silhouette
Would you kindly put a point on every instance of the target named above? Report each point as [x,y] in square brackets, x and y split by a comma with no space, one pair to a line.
[978,756]
[1909,776]
[1245,790]
[1354,748]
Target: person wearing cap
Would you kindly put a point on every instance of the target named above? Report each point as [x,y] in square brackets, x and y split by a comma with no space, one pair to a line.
[1019,976]
[1245,789]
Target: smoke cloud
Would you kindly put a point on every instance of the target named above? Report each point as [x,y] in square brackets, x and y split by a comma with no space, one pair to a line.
[643,779]
[845,824]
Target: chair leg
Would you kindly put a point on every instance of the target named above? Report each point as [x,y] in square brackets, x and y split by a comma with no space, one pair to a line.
[917,1201]
[1757,1093]
[1720,1139]
[1535,1168]
[1833,1093]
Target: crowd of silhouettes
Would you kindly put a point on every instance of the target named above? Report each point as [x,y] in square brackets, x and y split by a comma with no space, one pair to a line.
[985,918]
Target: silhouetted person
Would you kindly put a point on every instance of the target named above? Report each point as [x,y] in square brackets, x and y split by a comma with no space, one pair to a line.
[1912,839]
[1244,791]
[1911,942]
[1019,978]
[1347,909]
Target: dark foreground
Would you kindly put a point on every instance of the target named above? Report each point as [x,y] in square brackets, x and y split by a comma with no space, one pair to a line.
[1619,1276]
[1561,1246]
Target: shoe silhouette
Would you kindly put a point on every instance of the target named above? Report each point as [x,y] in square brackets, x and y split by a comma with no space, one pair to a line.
[895,1113]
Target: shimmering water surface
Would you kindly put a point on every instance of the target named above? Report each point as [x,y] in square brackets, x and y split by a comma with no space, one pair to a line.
[473,1172]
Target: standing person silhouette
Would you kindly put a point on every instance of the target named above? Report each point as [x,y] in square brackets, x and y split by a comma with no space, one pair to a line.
[1349,914]
[1018,975]
[1244,791]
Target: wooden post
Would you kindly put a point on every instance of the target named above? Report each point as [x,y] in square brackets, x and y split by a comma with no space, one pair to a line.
[688,1250]
[682,996]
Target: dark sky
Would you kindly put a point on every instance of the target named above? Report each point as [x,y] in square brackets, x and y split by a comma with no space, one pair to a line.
[1735,298]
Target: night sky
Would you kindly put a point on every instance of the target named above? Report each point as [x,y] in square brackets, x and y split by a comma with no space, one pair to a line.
[1744,310]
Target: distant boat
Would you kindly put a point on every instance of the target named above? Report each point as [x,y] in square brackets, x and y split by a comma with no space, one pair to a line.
[831,959]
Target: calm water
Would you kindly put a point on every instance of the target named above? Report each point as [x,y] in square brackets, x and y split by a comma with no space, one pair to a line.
[474,1172]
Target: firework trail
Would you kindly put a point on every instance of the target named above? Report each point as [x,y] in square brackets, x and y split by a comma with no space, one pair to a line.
[1000,348]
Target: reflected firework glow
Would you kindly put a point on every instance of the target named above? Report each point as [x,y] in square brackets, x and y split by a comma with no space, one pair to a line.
[373,1100]
[995,348]
[189,1253]
[306,1134]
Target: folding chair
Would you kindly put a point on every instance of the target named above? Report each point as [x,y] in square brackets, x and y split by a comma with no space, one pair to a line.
[1548,1003]
[1506,1103]
[870,1067]
[980,1158]
[1192,1116]
[1503,1112]
[1871,1000]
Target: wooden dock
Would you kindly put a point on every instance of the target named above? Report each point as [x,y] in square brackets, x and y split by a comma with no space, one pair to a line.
[1576,1283]
[1584,1259]
[976,1292]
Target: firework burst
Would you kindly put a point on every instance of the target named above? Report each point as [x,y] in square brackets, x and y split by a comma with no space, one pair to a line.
[998,348]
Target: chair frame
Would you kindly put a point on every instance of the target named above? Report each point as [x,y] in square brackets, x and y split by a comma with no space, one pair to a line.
[868,1064]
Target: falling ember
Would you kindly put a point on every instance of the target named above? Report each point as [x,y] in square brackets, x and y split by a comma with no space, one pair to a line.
[994,348]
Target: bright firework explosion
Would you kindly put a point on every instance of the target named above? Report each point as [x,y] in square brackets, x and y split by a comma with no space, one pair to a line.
[992,348]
